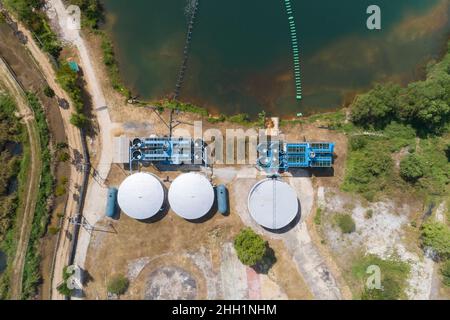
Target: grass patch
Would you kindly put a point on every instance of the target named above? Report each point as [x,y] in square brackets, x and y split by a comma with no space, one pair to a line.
[318,217]
[394,275]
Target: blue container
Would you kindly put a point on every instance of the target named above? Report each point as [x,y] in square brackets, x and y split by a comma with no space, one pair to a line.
[111,203]
[222,199]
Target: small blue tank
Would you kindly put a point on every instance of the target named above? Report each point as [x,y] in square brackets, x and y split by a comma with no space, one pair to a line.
[111,203]
[222,199]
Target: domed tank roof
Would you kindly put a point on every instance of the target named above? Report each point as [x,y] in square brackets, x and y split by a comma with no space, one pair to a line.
[141,196]
[191,196]
[273,204]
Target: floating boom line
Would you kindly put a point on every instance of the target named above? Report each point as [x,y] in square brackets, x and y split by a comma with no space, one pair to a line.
[193,8]
[295,50]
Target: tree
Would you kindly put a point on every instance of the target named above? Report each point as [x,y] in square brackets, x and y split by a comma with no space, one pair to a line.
[92,12]
[118,285]
[436,235]
[78,120]
[63,288]
[377,107]
[411,168]
[250,247]
[425,104]
[447,152]
[49,92]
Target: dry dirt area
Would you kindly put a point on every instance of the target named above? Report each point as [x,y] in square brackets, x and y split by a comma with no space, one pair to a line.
[170,257]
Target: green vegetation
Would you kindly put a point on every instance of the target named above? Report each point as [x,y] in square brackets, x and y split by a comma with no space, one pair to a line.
[63,288]
[436,235]
[250,247]
[394,275]
[318,217]
[445,271]
[369,214]
[424,104]
[49,92]
[242,119]
[346,223]
[369,166]
[30,13]
[91,12]
[92,15]
[411,168]
[118,285]
[13,167]
[416,118]
[184,107]
[110,61]
[71,83]
[61,188]
[31,274]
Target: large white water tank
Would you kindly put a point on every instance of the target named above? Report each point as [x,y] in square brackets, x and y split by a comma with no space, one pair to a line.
[191,196]
[141,196]
[273,204]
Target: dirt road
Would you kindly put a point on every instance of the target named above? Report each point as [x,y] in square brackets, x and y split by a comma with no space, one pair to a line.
[26,213]
[95,202]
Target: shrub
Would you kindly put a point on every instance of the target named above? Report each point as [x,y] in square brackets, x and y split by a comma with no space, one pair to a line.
[357,143]
[118,285]
[78,120]
[49,92]
[445,271]
[411,168]
[436,235]
[250,247]
[61,146]
[53,230]
[64,157]
[346,223]
[60,190]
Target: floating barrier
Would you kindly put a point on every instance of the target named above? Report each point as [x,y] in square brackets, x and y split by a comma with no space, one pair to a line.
[295,49]
[183,68]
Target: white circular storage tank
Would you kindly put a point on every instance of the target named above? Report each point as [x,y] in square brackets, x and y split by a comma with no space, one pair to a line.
[273,204]
[141,196]
[191,196]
